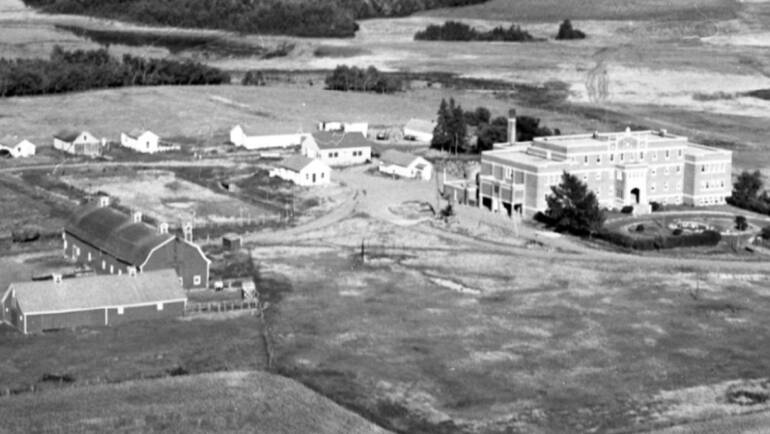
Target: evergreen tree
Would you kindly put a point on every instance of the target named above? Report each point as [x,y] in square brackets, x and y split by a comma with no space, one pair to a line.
[566,31]
[458,129]
[747,187]
[573,207]
[441,135]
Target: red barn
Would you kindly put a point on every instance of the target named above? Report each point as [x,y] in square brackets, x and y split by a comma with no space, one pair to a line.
[33,307]
[111,242]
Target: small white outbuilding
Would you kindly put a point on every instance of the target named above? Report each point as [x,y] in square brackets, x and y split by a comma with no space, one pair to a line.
[146,142]
[303,171]
[405,165]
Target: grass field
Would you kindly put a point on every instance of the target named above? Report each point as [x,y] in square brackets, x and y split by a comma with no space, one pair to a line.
[242,401]
[436,337]
[131,351]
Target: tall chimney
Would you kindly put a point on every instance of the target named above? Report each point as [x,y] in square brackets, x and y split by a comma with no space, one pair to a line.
[512,126]
[187,230]
[136,216]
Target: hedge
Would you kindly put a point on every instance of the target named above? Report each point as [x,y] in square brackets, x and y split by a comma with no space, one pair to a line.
[705,238]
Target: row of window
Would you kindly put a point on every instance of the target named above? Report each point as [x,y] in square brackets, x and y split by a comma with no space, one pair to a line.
[337,154]
[654,187]
[632,156]
[713,168]
[711,200]
[711,185]
[666,170]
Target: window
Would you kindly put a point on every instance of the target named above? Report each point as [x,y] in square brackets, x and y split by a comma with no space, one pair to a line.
[89,256]
[679,153]
[599,159]
[585,178]
[655,156]
[652,187]
[612,157]
[621,156]
[679,186]
[120,310]
[722,184]
[585,159]
[508,173]
[665,186]
[678,169]
[196,280]
[703,168]
[159,306]
[65,244]
[111,269]
[653,171]
[668,154]
[641,155]
[104,264]
[619,176]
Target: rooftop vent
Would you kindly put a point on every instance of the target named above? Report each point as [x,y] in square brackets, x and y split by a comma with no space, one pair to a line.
[663,132]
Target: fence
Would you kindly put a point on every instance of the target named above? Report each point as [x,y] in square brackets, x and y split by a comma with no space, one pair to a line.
[221,306]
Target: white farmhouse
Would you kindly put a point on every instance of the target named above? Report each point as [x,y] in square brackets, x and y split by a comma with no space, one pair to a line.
[303,171]
[419,130]
[238,137]
[338,149]
[141,141]
[79,143]
[405,165]
[22,149]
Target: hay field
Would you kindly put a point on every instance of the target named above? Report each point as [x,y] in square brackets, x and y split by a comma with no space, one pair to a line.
[167,198]
[242,401]
[433,335]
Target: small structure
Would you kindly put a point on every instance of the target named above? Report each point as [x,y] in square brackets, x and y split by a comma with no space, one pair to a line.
[405,165]
[238,137]
[344,127]
[111,242]
[21,149]
[232,242]
[303,171]
[145,142]
[78,143]
[338,149]
[419,130]
[34,307]
[248,290]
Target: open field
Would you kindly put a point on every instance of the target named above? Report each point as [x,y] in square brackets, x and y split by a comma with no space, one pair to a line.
[243,401]
[434,336]
[131,351]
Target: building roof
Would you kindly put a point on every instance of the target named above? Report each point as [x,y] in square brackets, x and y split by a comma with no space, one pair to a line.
[112,231]
[697,150]
[134,134]
[397,158]
[296,163]
[420,125]
[336,140]
[98,292]
[67,135]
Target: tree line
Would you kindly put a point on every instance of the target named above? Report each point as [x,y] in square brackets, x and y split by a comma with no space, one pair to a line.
[328,18]
[457,31]
[456,127]
[68,71]
[347,78]
[749,193]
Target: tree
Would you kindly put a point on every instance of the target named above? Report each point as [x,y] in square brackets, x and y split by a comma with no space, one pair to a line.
[489,134]
[573,207]
[567,32]
[451,131]
[746,188]
[528,127]
[740,223]
[765,233]
[441,135]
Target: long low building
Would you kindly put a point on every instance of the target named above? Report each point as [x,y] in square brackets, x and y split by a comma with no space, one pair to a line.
[621,168]
[405,165]
[99,300]
[239,137]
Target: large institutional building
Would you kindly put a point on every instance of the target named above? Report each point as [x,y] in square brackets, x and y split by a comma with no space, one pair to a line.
[625,168]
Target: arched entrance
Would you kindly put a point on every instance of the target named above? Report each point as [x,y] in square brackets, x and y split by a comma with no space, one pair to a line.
[635,193]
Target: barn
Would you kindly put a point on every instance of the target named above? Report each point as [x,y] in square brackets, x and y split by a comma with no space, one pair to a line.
[98,300]
[405,165]
[111,242]
[21,149]
[338,149]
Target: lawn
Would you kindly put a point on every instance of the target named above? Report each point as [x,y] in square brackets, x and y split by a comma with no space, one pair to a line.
[243,401]
[21,206]
[446,339]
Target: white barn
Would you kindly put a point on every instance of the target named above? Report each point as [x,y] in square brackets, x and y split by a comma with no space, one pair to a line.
[405,165]
[419,130]
[141,141]
[78,143]
[338,149]
[303,171]
[238,137]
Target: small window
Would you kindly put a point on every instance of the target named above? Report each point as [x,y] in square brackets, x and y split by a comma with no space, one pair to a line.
[585,159]
[679,153]
[196,280]
[111,269]
[621,156]
[678,169]
[668,154]
[104,264]
[612,157]
[599,159]
[703,168]
[159,306]
[120,310]
[641,156]
[655,156]
[585,177]
[65,244]
[665,186]
[652,187]
[653,171]
[665,170]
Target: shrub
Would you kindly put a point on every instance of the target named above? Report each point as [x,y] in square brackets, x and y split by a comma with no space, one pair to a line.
[677,231]
[457,31]
[346,78]
[706,238]
[628,209]
[656,206]
[740,223]
[639,228]
[566,31]
[765,234]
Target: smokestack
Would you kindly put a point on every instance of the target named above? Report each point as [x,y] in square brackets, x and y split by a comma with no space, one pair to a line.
[104,201]
[136,216]
[512,126]
[187,230]
[163,228]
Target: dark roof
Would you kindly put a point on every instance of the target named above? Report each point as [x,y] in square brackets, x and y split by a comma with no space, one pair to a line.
[295,163]
[398,158]
[335,140]
[67,136]
[98,291]
[113,232]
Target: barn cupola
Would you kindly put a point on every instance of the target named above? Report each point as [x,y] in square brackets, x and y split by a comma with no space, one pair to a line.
[56,277]
[136,216]
[187,230]
[104,201]
[163,228]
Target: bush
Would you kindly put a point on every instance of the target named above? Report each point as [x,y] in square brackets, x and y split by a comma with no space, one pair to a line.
[567,32]
[656,206]
[677,231]
[640,228]
[765,234]
[628,209]
[346,78]
[740,223]
[705,238]
[457,31]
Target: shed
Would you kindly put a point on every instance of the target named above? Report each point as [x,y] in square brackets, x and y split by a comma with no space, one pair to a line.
[303,171]
[405,165]
[232,242]
[100,300]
